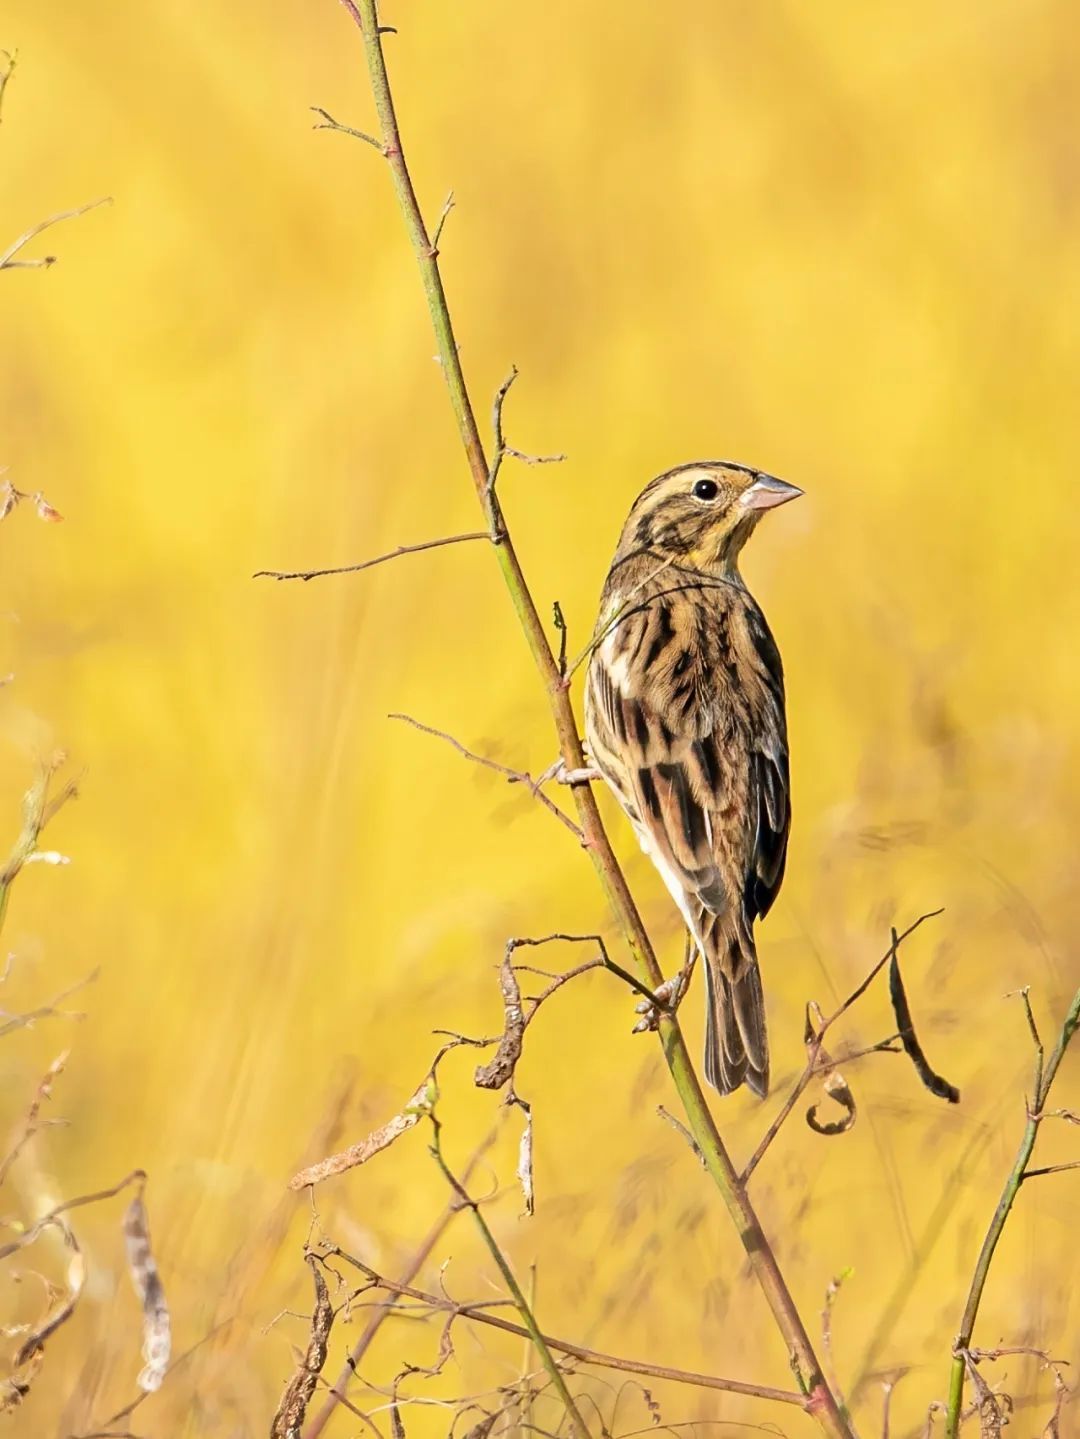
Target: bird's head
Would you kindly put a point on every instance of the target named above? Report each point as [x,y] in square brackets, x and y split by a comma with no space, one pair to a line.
[701,514]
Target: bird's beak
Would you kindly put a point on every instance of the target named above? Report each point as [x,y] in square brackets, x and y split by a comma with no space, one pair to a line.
[767,492]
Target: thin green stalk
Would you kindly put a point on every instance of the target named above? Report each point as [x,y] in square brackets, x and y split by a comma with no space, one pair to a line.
[517,1294]
[1044,1079]
[820,1400]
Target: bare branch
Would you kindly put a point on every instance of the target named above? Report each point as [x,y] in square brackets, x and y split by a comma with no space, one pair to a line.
[448,205]
[513,776]
[578,1427]
[1050,1169]
[30,1126]
[306,575]
[35,1230]
[419,1258]
[832,1289]
[329,123]
[501,450]
[76,1278]
[291,1411]
[815,1044]
[559,621]
[562,1346]
[7,257]
[681,1128]
[51,1010]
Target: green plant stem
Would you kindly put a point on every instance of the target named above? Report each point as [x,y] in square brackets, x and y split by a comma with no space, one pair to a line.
[1044,1079]
[763,1262]
[514,1289]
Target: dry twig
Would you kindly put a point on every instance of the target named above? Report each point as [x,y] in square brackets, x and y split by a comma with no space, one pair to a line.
[479,1314]
[378,1140]
[7,257]
[815,1045]
[513,776]
[288,1421]
[1044,1076]
[369,564]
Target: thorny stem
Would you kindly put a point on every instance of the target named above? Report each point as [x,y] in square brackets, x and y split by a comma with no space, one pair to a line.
[1043,1080]
[717,1160]
[547,1359]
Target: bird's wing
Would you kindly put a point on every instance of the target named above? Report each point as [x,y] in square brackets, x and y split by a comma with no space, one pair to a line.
[686,720]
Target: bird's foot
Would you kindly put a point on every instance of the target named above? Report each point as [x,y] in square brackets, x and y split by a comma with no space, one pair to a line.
[665,1000]
[562,775]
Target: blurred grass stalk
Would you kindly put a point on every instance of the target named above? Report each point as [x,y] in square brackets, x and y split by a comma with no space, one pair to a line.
[821,1402]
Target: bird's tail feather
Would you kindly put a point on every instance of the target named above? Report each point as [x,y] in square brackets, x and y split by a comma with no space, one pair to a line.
[736,1041]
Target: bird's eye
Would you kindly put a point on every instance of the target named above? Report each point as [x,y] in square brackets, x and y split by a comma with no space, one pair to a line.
[706,490]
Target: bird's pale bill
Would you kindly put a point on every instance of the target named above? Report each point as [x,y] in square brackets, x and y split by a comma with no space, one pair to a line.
[767,492]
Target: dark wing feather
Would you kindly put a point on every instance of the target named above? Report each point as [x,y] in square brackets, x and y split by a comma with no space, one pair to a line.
[686,719]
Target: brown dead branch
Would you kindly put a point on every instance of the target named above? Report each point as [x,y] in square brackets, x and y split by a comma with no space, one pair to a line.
[51,1010]
[7,257]
[288,1421]
[513,776]
[412,1269]
[76,1278]
[306,575]
[30,1125]
[378,1140]
[29,1236]
[476,1312]
[815,1045]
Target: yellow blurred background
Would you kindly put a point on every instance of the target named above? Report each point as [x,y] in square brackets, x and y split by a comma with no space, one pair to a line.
[838,242]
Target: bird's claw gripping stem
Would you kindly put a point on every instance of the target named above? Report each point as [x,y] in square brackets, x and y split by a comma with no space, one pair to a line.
[665,1001]
[561,775]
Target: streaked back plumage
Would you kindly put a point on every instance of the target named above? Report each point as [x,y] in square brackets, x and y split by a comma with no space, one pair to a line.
[684,712]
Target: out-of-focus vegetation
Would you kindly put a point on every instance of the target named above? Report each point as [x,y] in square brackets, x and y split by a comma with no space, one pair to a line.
[835,243]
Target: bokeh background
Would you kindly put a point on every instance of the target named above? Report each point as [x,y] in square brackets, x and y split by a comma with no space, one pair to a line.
[838,242]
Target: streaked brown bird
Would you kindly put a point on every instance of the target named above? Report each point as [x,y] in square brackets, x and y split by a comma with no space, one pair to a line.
[684,719]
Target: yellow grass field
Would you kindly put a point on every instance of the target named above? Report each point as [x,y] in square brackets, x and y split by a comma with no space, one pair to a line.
[838,242]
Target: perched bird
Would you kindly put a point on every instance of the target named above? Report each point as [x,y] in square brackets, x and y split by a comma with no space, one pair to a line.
[684,719]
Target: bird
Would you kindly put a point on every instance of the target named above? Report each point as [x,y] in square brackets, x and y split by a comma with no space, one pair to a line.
[685,720]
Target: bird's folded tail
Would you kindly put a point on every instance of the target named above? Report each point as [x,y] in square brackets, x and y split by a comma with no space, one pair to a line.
[736,1041]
